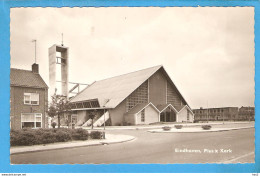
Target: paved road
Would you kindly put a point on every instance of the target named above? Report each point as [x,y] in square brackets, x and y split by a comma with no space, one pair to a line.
[155,148]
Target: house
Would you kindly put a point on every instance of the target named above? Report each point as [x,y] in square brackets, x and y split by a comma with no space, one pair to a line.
[246,113]
[28,99]
[141,97]
[216,114]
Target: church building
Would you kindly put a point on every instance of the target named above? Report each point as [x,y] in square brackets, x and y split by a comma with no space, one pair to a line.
[142,97]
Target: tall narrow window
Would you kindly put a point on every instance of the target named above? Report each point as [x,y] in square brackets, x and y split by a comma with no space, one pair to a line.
[143,115]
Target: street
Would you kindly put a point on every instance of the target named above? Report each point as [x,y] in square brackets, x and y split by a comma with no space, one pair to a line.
[212,147]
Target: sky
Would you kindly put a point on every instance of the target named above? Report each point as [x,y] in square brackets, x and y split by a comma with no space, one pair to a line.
[207,51]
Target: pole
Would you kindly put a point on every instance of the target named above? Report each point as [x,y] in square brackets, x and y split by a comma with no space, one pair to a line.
[104,120]
[34,49]
[207,112]
[104,133]
[61,39]
[223,117]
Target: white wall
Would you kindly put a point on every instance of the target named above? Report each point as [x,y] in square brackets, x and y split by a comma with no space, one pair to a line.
[117,114]
[182,116]
[130,118]
[151,116]
[81,116]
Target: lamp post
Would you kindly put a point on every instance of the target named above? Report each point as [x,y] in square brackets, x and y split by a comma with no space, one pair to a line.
[223,116]
[104,119]
[104,134]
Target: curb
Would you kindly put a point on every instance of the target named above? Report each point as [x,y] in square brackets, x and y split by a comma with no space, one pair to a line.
[67,147]
[151,131]
[157,127]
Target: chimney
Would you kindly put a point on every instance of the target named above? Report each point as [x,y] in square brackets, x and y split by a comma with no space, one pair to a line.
[35,68]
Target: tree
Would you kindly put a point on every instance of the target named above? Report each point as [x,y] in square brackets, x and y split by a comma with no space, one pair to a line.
[58,106]
[92,116]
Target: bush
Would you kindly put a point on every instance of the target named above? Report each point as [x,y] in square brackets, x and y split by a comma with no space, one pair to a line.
[63,136]
[126,124]
[206,127]
[118,124]
[166,128]
[53,124]
[96,134]
[44,136]
[23,137]
[47,137]
[178,126]
[80,134]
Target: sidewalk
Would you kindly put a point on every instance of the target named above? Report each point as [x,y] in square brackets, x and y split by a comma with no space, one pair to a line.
[137,127]
[195,130]
[110,139]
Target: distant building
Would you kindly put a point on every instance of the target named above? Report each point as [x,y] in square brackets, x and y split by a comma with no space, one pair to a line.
[142,97]
[215,114]
[28,99]
[246,113]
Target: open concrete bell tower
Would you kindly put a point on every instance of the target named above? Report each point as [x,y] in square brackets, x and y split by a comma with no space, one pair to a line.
[58,55]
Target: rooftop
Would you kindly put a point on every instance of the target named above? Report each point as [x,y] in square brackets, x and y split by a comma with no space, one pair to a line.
[26,78]
[112,91]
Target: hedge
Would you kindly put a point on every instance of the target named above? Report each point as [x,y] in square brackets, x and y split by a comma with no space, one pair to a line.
[45,136]
[96,134]
[206,127]
[166,128]
[178,126]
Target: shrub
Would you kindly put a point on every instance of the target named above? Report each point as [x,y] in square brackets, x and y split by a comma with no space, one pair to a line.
[48,137]
[166,128]
[44,136]
[23,137]
[126,124]
[53,124]
[178,126]
[80,134]
[96,134]
[206,127]
[63,136]
[118,124]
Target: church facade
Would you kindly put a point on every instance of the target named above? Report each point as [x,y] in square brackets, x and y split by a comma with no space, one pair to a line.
[143,97]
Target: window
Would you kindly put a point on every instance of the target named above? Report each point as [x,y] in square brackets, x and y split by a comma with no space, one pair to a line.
[79,105]
[188,116]
[31,120]
[31,98]
[140,95]
[143,115]
[94,104]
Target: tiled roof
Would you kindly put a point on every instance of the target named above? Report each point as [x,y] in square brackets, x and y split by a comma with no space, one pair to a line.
[137,108]
[160,107]
[112,91]
[115,89]
[26,78]
[140,107]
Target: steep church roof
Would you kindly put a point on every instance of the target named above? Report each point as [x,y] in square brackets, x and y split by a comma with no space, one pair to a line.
[112,91]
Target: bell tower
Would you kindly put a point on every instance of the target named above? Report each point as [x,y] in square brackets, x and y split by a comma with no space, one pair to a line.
[58,58]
